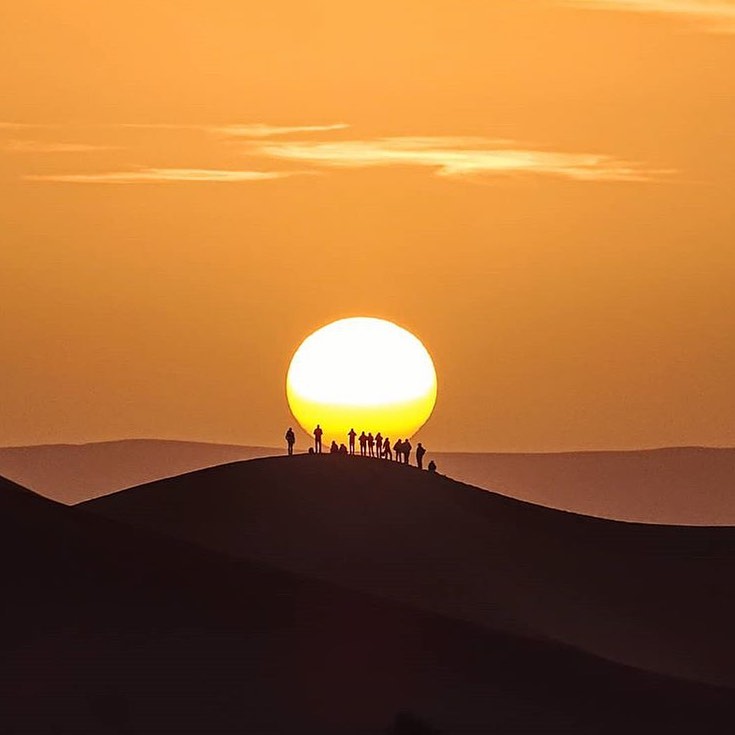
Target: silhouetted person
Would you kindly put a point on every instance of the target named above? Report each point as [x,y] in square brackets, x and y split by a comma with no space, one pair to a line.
[342,449]
[387,454]
[318,439]
[420,452]
[432,466]
[398,448]
[333,449]
[379,445]
[371,444]
[290,440]
[363,444]
[351,436]
[406,451]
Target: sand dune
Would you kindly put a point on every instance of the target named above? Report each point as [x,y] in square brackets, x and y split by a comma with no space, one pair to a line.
[686,485]
[71,473]
[655,597]
[678,485]
[108,629]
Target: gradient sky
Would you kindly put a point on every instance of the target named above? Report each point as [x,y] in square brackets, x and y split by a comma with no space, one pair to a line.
[541,190]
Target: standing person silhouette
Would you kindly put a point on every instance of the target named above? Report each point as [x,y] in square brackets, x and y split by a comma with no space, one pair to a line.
[420,452]
[371,444]
[387,454]
[398,449]
[363,444]
[351,436]
[406,451]
[290,440]
[318,439]
[379,445]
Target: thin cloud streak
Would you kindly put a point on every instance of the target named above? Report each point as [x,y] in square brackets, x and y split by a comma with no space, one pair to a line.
[39,146]
[261,130]
[715,15]
[459,157]
[244,130]
[165,176]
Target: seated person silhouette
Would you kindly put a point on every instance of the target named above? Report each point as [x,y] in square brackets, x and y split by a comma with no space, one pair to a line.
[432,466]
[333,449]
[342,449]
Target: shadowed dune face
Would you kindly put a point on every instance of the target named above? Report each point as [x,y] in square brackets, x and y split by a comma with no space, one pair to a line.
[655,597]
[109,629]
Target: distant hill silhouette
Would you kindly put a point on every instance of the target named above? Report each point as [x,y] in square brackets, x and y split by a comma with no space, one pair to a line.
[71,473]
[656,597]
[110,629]
[687,485]
[677,485]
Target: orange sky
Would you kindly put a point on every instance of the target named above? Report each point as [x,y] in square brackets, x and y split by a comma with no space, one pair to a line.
[540,189]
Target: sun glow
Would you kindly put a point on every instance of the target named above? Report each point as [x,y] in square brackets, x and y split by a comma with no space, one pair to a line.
[362,373]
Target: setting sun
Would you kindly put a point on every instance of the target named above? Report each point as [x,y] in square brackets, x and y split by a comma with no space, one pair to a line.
[362,373]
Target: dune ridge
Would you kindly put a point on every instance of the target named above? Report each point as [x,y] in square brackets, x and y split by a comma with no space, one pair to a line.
[654,597]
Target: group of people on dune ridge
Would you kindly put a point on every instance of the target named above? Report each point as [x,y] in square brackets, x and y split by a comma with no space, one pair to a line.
[370,446]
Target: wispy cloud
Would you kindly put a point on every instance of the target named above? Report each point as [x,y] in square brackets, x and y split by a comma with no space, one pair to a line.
[165,176]
[459,157]
[261,130]
[8,125]
[39,146]
[714,15]
[241,130]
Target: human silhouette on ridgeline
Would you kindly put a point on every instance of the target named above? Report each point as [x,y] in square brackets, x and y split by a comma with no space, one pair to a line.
[378,445]
[406,446]
[387,454]
[371,444]
[363,444]
[432,466]
[398,449]
[351,436]
[290,440]
[318,439]
[420,452]
[342,449]
[333,449]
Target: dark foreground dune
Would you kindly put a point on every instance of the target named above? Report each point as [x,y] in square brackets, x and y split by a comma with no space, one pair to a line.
[655,597]
[109,629]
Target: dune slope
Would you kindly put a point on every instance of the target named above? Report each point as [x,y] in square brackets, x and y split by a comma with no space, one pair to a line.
[108,629]
[655,597]
[71,473]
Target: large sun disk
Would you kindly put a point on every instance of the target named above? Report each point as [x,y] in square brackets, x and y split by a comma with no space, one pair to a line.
[362,373]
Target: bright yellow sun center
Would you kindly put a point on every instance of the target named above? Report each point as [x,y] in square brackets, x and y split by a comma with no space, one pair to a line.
[362,373]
